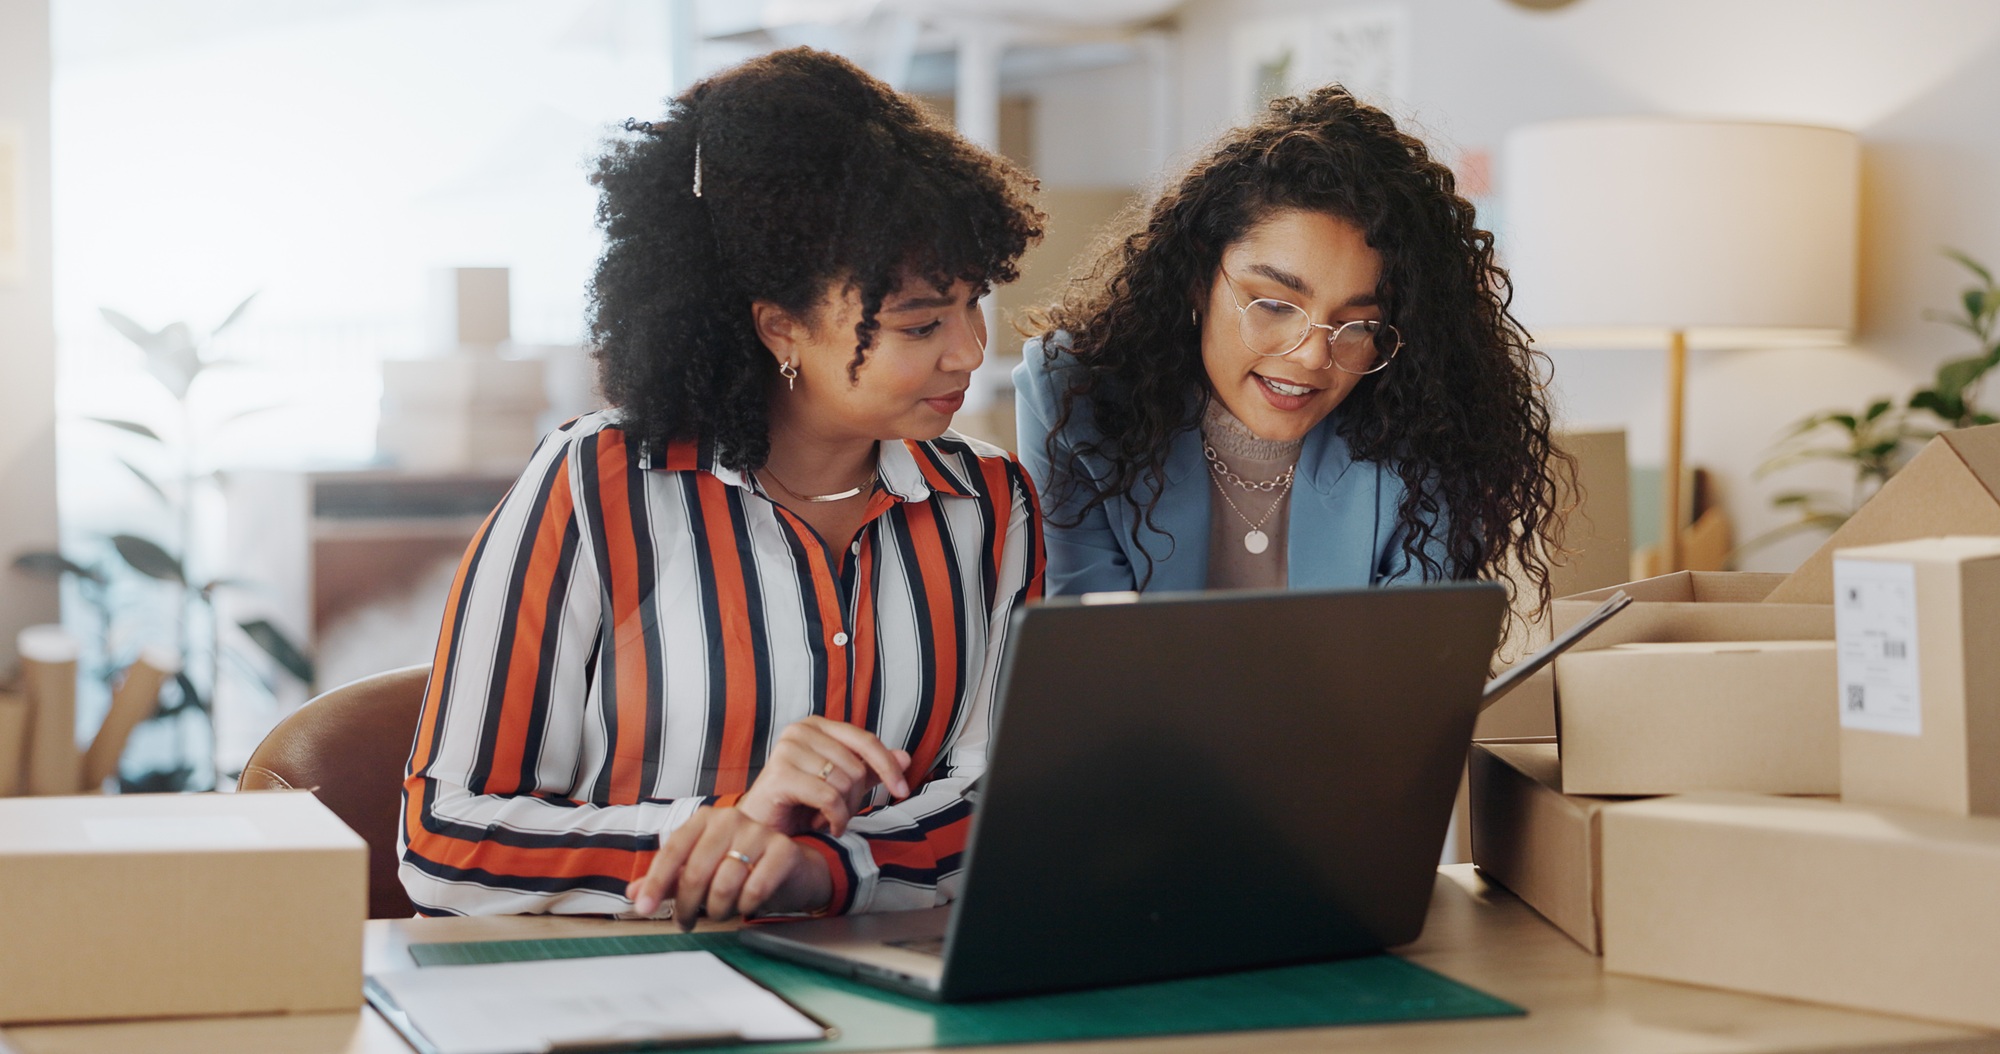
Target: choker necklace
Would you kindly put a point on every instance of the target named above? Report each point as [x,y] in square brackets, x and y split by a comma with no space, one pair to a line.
[1282,479]
[863,487]
[1254,540]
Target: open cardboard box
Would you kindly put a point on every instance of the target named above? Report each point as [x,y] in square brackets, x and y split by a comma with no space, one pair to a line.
[1698,605]
[1681,751]
[1952,486]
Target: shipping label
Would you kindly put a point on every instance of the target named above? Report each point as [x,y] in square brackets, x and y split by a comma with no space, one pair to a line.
[1875,619]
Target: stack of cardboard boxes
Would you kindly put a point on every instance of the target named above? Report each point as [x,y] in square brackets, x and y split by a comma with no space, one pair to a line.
[1738,705]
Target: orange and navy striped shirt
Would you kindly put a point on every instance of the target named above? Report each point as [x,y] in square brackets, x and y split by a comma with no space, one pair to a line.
[630,631]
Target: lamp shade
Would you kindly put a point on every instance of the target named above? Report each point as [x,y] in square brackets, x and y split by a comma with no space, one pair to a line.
[1620,230]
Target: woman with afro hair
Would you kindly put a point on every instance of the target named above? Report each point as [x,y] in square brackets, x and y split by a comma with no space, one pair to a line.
[1295,369]
[730,645]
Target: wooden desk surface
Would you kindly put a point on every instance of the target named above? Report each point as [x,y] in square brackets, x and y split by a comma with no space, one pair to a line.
[1477,933]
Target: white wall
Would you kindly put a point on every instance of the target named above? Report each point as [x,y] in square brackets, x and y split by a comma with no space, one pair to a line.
[1916,79]
[27,335]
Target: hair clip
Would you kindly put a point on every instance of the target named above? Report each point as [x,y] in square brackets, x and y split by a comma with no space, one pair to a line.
[633,124]
[697,168]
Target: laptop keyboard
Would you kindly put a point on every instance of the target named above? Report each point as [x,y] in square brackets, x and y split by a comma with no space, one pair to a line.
[921,945]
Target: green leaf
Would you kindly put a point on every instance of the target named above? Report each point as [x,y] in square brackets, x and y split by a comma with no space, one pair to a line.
[1876,409]
[151,483]
[1933,402]
[133,427]
[280,647]
[1975,303]
[147,558]
[1971,264]
[50,564]
[1955,376]
[234,315]
[190,698]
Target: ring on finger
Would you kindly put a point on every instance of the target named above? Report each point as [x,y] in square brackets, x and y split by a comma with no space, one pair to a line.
[740,857]
[825,771]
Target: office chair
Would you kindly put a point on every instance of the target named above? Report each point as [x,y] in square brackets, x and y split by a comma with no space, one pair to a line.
[350,746]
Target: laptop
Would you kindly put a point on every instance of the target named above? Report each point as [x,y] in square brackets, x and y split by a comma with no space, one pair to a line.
[1194,783]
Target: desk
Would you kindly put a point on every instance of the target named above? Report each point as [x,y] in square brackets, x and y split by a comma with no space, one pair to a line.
[1477,933]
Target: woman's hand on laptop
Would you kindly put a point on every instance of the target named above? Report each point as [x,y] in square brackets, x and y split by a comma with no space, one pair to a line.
[723,864]
[819,773]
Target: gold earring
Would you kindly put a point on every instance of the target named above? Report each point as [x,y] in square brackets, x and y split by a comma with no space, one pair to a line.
[790,372]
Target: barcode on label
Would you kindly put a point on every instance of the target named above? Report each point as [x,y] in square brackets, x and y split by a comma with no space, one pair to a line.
[1856,697]
[1895,649]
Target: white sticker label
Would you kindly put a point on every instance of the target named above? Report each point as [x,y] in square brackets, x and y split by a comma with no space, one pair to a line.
[171,832]
[1875,615]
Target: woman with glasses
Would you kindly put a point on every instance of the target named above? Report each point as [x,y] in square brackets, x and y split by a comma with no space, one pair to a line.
[1295,369]
[730,646]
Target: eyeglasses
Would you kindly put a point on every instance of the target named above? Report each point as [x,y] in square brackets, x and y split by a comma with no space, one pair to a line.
[1276,327]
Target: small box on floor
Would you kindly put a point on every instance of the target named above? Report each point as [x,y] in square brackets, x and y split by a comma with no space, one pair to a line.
[1533,839]
[1919,703]
[1874,908]
[176,905]
[1671,717]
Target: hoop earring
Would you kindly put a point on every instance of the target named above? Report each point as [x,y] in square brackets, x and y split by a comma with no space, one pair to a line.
[1194,316]
[790,372]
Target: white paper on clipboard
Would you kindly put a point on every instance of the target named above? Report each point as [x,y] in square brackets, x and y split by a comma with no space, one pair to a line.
[597,1003]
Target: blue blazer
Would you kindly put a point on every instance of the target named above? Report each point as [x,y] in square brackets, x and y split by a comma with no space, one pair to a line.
[1341,529]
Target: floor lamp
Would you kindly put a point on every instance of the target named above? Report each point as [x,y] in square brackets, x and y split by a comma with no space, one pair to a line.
[1651,231]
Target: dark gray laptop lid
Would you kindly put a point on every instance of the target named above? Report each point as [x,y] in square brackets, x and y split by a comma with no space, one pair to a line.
[1187,784]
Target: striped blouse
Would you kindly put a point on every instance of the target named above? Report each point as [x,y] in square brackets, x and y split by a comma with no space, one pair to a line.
[630,631]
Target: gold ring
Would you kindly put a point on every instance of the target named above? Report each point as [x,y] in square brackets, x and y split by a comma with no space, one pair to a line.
[826,770]
[740,856]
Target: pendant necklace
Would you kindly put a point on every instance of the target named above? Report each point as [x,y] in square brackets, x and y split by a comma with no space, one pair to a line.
[1255,540]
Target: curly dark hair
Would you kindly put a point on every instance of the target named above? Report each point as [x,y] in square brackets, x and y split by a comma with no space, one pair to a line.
[811,173]
[1461,414]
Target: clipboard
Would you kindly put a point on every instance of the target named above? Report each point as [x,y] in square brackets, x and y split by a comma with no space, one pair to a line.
[436,1003]
[1498,687]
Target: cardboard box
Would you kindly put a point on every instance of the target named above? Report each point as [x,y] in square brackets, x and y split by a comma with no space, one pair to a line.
[1530,837]
[1867,907]
[1950,487]
[178,905]
[1598,536]
[1919,684]
[1666,718]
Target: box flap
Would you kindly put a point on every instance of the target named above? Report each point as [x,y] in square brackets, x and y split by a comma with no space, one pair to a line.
[1716,647]
[1824,817]
[1948,488]
[1951,550]
[172,823]
[1697,605]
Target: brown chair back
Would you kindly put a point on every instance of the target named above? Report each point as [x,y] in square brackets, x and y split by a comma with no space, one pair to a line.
[350,746]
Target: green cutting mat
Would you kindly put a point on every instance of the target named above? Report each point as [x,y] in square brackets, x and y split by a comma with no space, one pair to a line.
[1374,990]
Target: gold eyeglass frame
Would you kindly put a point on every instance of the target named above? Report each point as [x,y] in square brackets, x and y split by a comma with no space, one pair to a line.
[1333,332]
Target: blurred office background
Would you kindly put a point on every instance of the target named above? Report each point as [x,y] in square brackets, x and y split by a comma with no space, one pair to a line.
[402,182]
